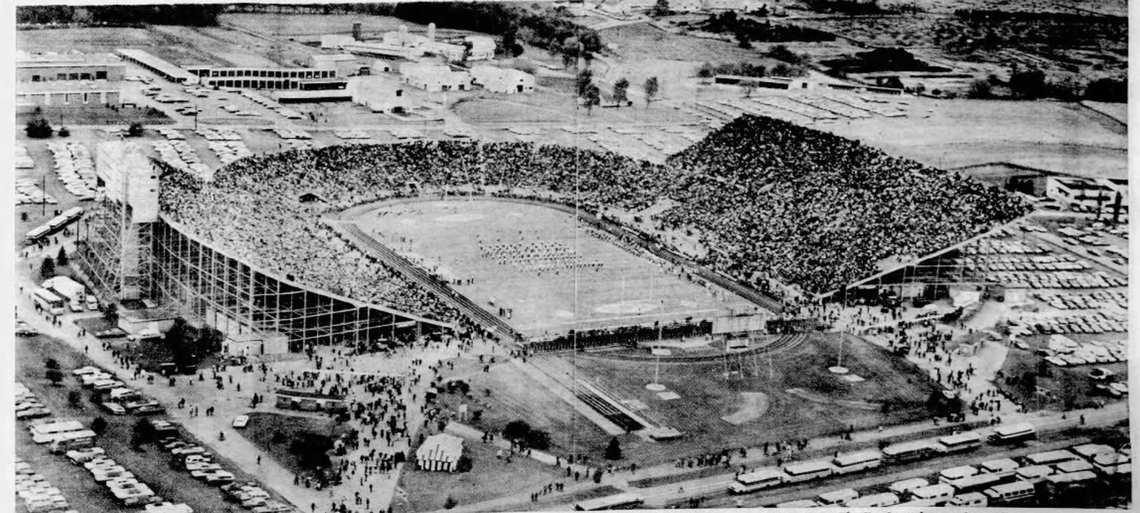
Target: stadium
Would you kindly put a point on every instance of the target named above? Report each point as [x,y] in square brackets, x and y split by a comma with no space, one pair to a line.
[333,245]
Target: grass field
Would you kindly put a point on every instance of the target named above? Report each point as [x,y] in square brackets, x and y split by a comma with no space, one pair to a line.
[803,398]
[263,426]
[445,237]
[506,394]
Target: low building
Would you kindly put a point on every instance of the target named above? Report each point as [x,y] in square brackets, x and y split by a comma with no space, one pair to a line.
[1084,194]
[383,66]
[67,94]
[482,48]
[345,65]
[435,77]
[272,78]
[440,453]
[503,80]
[70,67]
[379,94]
[383,50]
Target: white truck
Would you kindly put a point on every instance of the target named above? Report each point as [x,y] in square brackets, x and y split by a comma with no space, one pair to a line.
[69,290]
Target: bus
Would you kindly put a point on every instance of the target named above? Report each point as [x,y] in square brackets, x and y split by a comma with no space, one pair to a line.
[808,471]
[1072,466]
[48,301]
[1034,473]
[1013,434]
[934,495]
[1010,492]
[619,501]
[908,451]
[902,487]
[878,500]
[1000,466]
[838,497]
[857,461]
[956,473]
[73,440]
[758,480]
[961,442]
[56,223]
[1090,451]
[979,482]
[51,431]
[805,503]
[1050,457]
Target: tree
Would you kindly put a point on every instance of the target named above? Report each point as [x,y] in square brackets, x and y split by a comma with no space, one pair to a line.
[538,439]
[464,464]
[61,257]
[142,432]
[1028,383]
[111,312]
[661,8]
[74,399]
[621,88]
[516,430]
[651,88]
[47,269]
[55,376]
[613,451]
[742,38]
[979,90]
[38,129]
[135,130]
[593,98]
[450,502]
[99,425]
[51,363]
[64,132]
[1028,84]
[510,44]
[583,82]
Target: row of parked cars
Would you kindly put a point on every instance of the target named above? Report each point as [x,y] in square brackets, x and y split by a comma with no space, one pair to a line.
[37,494]
[119,481]
[28,406]
[115,396]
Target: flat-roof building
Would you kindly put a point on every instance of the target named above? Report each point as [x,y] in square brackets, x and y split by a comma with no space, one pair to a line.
[158,66]
[435,77]
[67,94]
[71,67]
[503,80]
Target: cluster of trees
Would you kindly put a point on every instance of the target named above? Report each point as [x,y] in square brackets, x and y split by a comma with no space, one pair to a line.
[856,7]
[195,15]
[881,59]
[747,69]
[521,433]
[188,345]
[1032,84]
[748,30]
[38,128]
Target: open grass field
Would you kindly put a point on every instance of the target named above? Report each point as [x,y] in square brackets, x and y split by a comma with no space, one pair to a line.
[488,241]
[294,25]
[791,396]
[489,478]
[515,395]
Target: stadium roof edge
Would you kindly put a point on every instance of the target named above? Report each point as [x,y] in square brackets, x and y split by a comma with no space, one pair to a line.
[928,256]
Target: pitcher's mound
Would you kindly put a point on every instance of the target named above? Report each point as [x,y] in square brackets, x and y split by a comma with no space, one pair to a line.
[753,405]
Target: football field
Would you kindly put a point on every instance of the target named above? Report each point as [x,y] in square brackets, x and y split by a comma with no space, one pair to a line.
[543,274]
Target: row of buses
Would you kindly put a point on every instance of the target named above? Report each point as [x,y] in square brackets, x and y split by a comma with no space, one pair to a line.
[56,224]
[996,482]
[870,459]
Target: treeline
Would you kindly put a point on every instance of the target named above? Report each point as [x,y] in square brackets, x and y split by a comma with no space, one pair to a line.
[747,29]
[1033,84]
[197,15]
[551,28]
[1061,17]
[856,7]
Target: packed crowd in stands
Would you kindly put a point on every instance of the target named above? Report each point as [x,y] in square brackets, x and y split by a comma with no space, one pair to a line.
[817,210]
[811,208]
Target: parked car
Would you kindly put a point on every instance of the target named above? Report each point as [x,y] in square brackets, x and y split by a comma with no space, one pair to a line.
[241,421]
[147,334]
